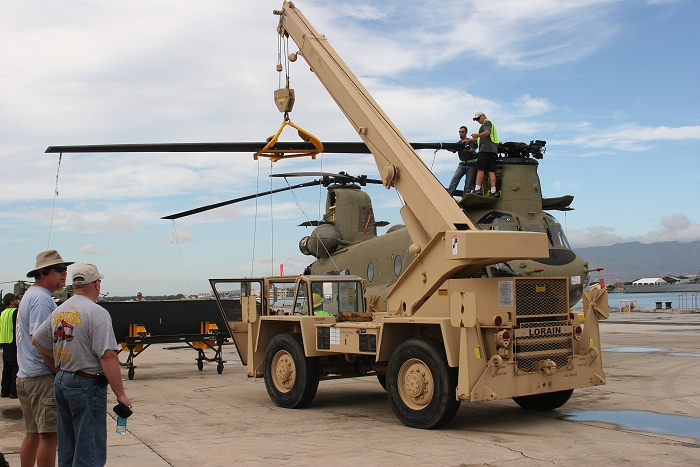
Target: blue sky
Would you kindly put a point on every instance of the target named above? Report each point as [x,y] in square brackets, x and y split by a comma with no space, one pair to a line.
[611,85]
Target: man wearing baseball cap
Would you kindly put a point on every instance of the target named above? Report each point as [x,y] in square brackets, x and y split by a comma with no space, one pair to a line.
[35,377]
[487,140]
[78,341]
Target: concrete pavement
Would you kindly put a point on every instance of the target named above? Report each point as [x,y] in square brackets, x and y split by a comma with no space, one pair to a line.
[184,417]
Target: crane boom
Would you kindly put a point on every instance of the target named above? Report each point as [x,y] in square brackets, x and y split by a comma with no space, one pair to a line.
[445,240]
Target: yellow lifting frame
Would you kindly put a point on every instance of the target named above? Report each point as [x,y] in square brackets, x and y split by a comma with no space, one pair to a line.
[277,154]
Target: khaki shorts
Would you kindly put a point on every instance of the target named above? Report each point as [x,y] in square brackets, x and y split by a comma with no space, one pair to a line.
[36,396]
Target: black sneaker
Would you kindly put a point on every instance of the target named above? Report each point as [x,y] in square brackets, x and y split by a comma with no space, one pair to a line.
[13,396]
[496,194]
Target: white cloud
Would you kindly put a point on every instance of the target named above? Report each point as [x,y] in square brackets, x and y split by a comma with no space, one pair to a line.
[674,228]
[531,107]
[88,221]
[181,234]
[597,235]
[633,137]
[91,250]
[421,34]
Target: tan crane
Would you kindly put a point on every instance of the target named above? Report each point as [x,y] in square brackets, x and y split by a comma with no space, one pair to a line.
[449,333]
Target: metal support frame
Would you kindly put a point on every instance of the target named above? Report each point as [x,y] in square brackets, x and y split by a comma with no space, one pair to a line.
[211,341]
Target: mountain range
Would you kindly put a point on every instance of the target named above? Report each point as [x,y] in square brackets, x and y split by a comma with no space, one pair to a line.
[634,260]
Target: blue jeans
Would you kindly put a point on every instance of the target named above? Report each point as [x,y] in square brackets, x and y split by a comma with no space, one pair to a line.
[82,421]
[463,169]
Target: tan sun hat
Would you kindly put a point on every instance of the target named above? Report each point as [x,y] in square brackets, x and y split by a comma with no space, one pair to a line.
[46,259]
[477,115]
[85,273]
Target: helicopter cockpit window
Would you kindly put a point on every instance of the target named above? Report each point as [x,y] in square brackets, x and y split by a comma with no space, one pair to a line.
[556,234]
[533,228]
[398,264]
[281,296]
[331,298]
[503,270]
[498,221]
[370,272]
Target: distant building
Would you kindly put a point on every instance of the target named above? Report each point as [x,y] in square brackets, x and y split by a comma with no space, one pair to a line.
[650,281]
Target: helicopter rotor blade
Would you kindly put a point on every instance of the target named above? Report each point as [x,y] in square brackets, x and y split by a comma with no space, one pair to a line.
[306,174]
[329,178]
[237,200]
[332,147]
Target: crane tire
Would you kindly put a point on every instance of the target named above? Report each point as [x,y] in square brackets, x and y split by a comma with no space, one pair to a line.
[291,378]
[421,385]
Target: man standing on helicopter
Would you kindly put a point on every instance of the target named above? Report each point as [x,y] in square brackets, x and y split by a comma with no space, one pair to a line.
[487,140]
[467,164]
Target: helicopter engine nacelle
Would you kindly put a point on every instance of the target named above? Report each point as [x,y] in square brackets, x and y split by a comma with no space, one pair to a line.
[322,242]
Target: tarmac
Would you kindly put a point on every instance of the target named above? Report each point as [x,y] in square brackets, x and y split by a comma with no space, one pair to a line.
[648,413]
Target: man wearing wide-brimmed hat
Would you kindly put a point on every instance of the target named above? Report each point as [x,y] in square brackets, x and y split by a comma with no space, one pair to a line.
[35,377]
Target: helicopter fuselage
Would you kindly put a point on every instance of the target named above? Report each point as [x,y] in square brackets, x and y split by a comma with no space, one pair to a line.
[380,260]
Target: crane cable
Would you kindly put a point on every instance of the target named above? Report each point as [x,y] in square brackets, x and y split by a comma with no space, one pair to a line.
[435,156]
[177,242]
[55,195]
[272,226]
[255,221]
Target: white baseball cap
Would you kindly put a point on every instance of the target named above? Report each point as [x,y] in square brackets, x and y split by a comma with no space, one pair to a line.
[85,273]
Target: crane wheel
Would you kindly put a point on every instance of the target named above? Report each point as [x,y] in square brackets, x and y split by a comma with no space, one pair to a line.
[544,402]
[291,379]
[421,385]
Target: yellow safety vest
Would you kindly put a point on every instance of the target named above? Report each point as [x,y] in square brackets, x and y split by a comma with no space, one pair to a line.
[493,135]
[7,332]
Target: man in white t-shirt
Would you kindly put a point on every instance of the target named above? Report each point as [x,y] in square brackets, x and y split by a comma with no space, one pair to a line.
[77,340]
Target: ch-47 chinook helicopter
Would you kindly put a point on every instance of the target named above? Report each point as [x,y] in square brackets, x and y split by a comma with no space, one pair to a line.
[345,240]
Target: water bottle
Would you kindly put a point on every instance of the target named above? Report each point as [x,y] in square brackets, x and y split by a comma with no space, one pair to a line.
[121,425]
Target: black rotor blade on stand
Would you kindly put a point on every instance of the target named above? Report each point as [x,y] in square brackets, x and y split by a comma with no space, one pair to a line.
[333,147]
[237,200]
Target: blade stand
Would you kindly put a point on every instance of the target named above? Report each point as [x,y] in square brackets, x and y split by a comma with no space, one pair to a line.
[277,154]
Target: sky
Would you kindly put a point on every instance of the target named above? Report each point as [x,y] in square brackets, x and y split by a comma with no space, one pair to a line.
[611,85]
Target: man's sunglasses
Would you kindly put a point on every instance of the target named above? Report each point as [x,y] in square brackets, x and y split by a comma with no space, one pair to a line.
[60,269]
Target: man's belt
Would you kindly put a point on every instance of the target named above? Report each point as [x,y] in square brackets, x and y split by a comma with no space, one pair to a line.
[98,379]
